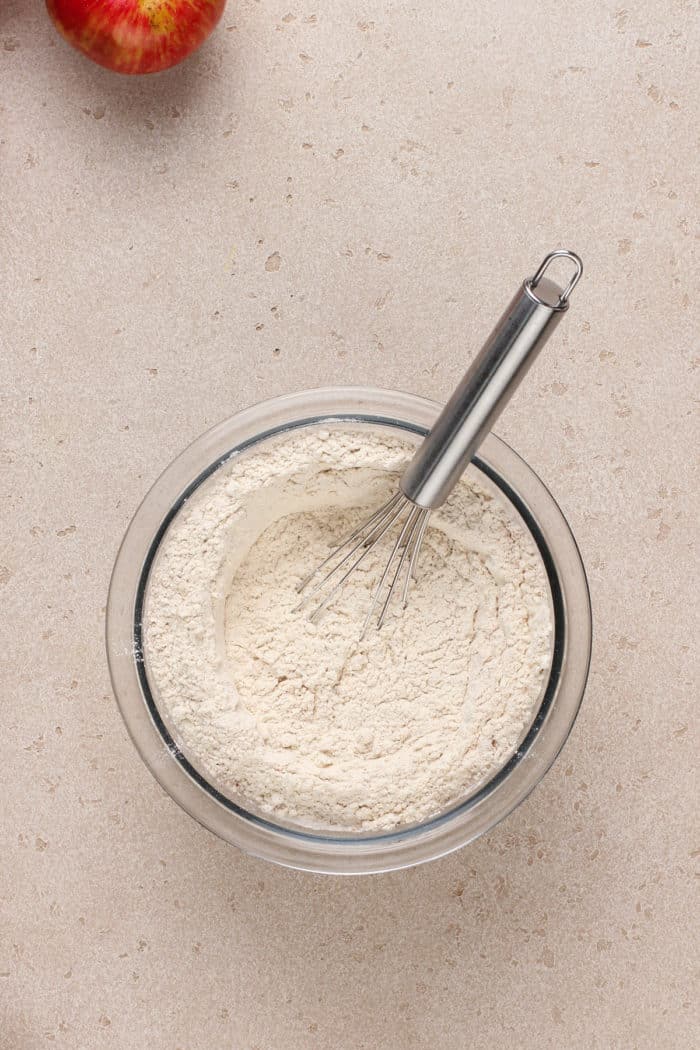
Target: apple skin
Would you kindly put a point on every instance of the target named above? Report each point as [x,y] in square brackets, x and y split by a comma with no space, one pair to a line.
[135,36]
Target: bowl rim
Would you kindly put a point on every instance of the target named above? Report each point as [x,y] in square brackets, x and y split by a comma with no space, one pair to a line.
[304,849]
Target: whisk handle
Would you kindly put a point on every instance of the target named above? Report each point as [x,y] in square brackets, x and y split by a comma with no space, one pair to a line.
[488,385]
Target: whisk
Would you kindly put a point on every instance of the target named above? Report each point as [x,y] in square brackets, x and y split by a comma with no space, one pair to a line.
[447,450]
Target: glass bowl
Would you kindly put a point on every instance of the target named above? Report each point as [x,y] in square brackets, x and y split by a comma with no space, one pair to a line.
[302,848]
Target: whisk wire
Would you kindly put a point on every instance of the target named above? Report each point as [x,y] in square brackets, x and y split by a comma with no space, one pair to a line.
[383,522]
[406,537]
[369,547]
[364,539]
[383,511]
[378,589]
[413,563]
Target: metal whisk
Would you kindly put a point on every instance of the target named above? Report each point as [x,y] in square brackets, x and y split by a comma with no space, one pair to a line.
[447,450]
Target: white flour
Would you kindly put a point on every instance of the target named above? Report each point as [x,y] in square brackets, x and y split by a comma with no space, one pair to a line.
[306,723]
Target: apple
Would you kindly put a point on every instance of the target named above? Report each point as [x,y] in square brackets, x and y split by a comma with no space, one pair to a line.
[135,36]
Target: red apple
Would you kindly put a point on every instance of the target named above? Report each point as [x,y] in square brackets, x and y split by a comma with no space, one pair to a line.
[135,36]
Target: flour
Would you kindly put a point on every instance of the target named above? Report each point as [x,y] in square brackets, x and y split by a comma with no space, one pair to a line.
[305,723]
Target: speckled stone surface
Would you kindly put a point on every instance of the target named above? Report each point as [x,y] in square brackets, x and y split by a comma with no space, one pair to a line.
[348,193]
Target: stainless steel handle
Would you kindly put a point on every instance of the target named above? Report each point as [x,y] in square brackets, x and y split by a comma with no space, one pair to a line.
[488,385]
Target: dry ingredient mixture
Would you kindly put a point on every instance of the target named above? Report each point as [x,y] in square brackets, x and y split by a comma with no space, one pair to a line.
[307,723]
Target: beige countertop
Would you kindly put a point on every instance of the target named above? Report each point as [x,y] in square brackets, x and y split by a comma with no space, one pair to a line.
[343,197]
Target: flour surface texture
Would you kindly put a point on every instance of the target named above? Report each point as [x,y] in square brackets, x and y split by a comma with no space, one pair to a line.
[306,723]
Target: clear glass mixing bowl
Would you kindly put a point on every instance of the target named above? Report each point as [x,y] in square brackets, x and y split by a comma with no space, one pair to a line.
[490,802]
